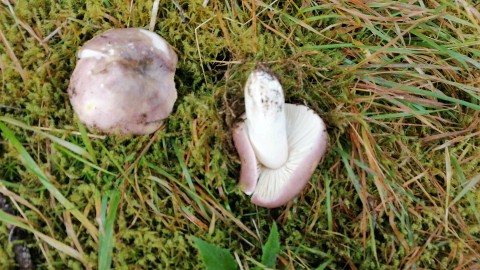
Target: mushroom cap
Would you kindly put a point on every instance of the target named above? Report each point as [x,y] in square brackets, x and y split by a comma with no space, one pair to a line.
[124,82]
[307,142]
[265,118]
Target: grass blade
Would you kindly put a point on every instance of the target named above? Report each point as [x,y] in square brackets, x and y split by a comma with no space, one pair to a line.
[328,202]
[471,184]
[426,93]
[106,241]
[214,257]
[271,248]
[87,142]
[72,147]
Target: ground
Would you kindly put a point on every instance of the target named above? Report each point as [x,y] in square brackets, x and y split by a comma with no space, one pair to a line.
[397,83]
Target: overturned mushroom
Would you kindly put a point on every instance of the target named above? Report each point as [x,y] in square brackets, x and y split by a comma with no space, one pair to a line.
[124,82]
[279,144]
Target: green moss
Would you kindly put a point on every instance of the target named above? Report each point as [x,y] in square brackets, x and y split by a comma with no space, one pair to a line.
[217,49]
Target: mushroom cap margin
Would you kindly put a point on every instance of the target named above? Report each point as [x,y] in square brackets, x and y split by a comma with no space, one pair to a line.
[249,164]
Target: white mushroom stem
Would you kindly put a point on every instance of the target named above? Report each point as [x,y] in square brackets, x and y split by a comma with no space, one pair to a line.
[265,123]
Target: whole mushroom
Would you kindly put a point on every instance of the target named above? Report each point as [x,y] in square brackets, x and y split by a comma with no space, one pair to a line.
[279,144]
[123,82]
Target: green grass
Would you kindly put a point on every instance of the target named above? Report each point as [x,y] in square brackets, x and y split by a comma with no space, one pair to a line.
[397,83]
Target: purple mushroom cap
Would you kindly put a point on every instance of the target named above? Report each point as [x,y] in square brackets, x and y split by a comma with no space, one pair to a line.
[123,82]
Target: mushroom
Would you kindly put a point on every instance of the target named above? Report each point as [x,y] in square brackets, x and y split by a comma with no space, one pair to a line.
[279,144]
[124,82]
